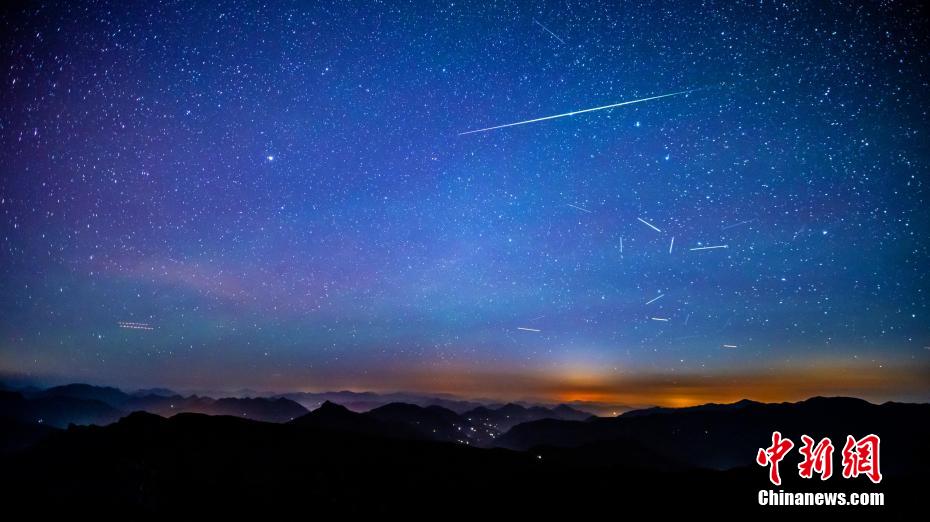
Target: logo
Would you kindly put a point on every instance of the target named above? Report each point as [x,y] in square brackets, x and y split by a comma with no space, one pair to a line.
[859,457]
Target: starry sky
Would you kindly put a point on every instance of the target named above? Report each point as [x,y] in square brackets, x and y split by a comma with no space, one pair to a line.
[280,196]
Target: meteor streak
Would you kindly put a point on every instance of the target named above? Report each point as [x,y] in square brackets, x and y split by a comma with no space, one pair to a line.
[648,224]
[548,31]
[734,225]
[660,296]
[709,247]
[134,326]
[528,329]
[566,114]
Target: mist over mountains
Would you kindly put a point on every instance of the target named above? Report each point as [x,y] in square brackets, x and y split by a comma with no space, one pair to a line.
[423,417]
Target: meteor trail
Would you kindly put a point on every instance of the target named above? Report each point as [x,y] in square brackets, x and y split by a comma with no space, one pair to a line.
[579,208]
[734,225]
[566,114]
[660,296]
[134,326]
[648,224]
[550,32]
[710,247]
[528,329]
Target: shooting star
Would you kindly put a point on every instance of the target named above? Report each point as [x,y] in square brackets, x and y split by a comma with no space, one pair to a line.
[648,224]
[654,299]
[621,244]
[134,326]
[729,346]
[663,319]
[710,247]
[548,31]
[734,225]
[671,245]
[573,113]
[579,208]
[528,329]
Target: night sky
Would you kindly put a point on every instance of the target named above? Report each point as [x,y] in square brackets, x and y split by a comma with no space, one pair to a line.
[279,196]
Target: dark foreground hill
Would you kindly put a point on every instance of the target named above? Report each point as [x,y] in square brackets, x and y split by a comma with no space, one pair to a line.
[719,436]
[336,462]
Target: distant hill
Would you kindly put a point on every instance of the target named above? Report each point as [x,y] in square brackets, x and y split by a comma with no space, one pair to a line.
[335,418]
[105,394]
[364,401]
[268,410]
[87,404]
[161,392]
[509,415]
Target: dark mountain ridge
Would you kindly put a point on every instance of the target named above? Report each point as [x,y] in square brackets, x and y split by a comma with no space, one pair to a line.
[337,462]
[86,404]
[719,436]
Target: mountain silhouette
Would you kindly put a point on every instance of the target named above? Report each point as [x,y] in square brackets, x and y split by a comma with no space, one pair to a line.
[333,462]
[719,436]
[333,417]
[112,396]
[365,401]
[434,422]
[163,392]
[88,404]
[509,415]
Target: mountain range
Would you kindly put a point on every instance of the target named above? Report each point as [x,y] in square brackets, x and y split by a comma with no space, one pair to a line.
[407,458]
[83,404]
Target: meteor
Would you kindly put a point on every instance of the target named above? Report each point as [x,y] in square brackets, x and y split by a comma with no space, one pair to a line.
[528,329]
[579,208]
[573,113]
[548,31]
[709,247]
[134,326]
[648,224]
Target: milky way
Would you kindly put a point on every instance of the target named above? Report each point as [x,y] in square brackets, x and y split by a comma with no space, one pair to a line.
[277,195]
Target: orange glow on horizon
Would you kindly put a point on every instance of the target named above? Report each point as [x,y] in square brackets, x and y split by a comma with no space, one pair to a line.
[682,390]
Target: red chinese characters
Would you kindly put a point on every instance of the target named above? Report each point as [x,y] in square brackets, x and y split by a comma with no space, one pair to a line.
[861,457]
[817,459]
[772,455]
